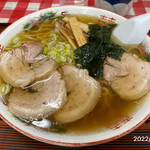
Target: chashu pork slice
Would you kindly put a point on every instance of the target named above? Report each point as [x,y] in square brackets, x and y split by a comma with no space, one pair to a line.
[39,101]
[129,78]
[83,94]
[24,65]
[31,52]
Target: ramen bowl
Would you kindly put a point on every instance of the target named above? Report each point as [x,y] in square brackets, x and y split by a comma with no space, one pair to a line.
[128,124]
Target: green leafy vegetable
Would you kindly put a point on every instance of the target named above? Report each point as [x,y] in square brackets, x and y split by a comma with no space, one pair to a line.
[148,58]
[92,55]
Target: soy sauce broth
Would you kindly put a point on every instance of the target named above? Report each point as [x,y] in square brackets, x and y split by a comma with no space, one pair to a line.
[110,109]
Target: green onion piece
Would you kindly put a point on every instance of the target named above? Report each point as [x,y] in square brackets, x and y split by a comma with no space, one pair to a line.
[8,48]
[58,130]
[5,89]
[60,52]
[45,50]
[52,54]
[54,36]
[15,40]
[17,45]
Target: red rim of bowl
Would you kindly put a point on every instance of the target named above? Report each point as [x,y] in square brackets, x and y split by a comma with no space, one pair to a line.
[73,144]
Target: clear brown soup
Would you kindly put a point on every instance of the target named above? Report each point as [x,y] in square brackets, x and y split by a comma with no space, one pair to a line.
[110,109]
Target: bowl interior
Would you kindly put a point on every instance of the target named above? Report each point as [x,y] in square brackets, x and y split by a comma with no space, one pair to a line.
[127,125]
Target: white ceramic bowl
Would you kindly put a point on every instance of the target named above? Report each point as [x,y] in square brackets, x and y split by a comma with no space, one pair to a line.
[127,125]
